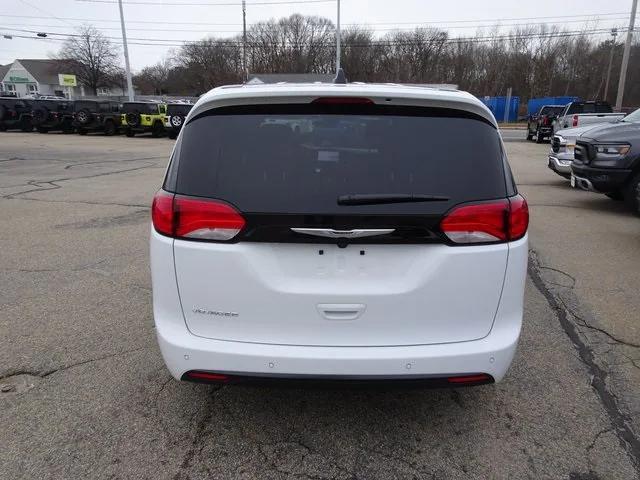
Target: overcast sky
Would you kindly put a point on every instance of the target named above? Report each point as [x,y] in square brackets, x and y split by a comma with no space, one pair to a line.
[178,20]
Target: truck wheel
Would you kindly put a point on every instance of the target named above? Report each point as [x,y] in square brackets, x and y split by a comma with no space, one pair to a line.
[129,133]
[82,131]
[109,128]
[632,194]
[539,137]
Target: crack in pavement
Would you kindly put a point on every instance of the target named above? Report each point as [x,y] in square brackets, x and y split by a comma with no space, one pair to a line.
[83,177]
[620,421]
[583,323]
[12,373]
[198,437]
[72,165]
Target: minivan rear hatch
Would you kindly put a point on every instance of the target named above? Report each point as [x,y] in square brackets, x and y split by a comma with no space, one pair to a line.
[312,267]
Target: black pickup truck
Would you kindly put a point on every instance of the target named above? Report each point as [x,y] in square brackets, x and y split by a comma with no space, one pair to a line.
[607,160]
[15,114]
[540,125]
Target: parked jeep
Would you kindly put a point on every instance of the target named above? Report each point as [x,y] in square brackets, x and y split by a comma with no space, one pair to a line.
[52,115]
[142,117]
[15,114]
[540,125]
[97,116]
[176,114]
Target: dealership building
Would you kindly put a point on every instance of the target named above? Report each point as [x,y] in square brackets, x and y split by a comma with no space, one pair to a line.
[26,77]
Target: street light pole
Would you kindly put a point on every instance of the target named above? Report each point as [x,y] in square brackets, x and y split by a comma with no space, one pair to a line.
[338,39]
[245,72]
[625,56]
[614,34]
[126,54]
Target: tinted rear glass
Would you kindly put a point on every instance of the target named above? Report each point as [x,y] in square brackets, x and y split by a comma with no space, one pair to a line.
[589,108]
[551,110]
[178,109]
[300,159]
[149,108]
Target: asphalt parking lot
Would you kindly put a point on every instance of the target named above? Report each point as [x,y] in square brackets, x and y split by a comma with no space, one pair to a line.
[85,393]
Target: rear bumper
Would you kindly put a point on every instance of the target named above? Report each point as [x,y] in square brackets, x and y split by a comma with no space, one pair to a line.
[183,352]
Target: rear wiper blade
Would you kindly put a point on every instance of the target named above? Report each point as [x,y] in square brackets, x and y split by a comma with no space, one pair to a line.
[382,198]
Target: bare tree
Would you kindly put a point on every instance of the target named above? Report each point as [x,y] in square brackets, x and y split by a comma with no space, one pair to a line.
[153,79]
[91,57]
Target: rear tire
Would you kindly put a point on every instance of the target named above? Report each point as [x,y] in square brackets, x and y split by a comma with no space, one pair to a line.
[172,135]
[529,136]
[632,194]
[82,131]
[129,133]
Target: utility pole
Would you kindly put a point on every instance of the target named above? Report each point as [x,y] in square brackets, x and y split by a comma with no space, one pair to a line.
[625,56]
[245,72]
[507,105]
[126,54]
[338,39]
[614,34]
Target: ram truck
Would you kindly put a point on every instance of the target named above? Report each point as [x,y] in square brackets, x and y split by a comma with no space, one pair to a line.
[581,114]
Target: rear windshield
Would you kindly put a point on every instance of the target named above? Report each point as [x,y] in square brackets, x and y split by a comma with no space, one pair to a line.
[93,106]
[577,108]
[300,159]
[150,108]
[54,105]
[551,110]
[179,109]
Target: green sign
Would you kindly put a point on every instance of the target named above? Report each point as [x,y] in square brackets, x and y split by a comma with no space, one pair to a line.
[67,80]
[18,79]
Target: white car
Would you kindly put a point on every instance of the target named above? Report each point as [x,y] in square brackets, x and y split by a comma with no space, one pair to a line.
[375,244]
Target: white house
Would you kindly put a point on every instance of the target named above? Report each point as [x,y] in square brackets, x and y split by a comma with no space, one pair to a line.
[40,76]
[34,76]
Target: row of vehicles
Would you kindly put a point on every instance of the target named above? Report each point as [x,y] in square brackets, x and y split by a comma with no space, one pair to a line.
[85,116]
[601,157]
[552,118]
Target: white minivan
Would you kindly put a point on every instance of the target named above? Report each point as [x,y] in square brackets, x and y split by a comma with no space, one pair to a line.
[341,233]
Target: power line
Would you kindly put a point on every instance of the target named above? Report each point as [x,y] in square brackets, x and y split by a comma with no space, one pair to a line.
[583,17]
[219,4]
[237,43]
[363,26]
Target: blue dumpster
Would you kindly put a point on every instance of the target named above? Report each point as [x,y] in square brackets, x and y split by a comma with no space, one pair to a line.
[498,106]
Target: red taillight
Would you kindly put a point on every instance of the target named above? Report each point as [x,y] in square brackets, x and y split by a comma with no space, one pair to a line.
[343,101]
[499,221]
[518,217]
[194,218]
[545,120]
[162,212]
[575,120]
[471,379]
[206,376]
